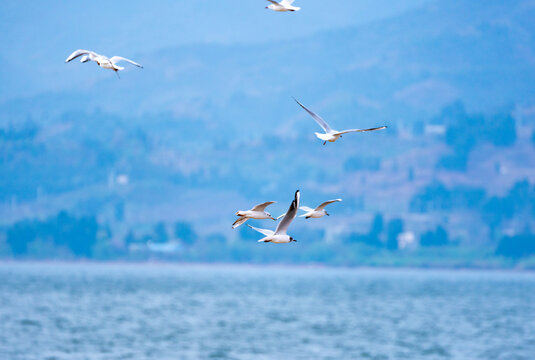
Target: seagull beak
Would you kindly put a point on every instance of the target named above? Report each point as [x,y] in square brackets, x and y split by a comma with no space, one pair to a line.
[327,214]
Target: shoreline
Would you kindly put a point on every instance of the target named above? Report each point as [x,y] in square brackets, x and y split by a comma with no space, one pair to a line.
[243,265]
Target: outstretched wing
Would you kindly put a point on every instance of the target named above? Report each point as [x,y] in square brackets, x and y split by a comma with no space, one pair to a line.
[273,2]
[85,59]
[262,207]
[264,232]
[281,216]
[80,52]
[327,203]
[316,117]
[290,215]
[361,130]
[116,59]
[306,208]
[239,221]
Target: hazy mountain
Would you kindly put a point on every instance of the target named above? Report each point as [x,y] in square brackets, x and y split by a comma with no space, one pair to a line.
[214,123]
[405,67]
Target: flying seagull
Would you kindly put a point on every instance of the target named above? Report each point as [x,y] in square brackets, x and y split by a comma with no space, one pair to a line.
[257,212]
[101,60]
[284,5]
[317,212]
[332,135]
[279,236]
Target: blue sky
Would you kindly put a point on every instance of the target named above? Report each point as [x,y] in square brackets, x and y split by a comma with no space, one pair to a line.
[38,36]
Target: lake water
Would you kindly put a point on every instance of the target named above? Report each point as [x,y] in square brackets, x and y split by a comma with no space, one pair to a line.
[90,311]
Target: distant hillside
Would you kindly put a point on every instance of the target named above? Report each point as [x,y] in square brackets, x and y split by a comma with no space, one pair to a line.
[205,130]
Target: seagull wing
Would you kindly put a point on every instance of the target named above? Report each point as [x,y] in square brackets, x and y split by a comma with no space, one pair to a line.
[316,117]
[361,130]
[327,203]
[281,216]
[85,59]
[116,59]
[80,52]
[306,208]
[273,2]
[290,215]
[287,2]
[262,207]
[239,221]
[264,232]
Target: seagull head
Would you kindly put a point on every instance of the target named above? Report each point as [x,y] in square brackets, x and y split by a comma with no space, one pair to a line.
[292,239]
[271,217]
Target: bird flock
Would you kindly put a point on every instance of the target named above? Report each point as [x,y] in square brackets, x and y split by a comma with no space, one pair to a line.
[258,212]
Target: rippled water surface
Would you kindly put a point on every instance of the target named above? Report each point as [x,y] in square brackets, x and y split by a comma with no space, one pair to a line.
[50,311]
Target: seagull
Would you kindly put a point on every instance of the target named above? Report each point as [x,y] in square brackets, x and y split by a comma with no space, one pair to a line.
[257,212]
[101,60]
[315,213]
[279,236]
[332,135]
[284,5]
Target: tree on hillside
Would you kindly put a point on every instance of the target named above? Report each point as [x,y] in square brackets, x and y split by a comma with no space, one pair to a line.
[65,231]
[516,246]
[19,236]
[439,237]
[394,228]
[130,238]
[519,201]
[377,225]
[160,233]
[464,131]
[372,238]
[185,232]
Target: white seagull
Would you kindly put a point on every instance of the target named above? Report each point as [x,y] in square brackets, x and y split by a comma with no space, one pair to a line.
[257,212]
[101,60]
[284,5]
[279,236]
[317,212]
[332,135]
